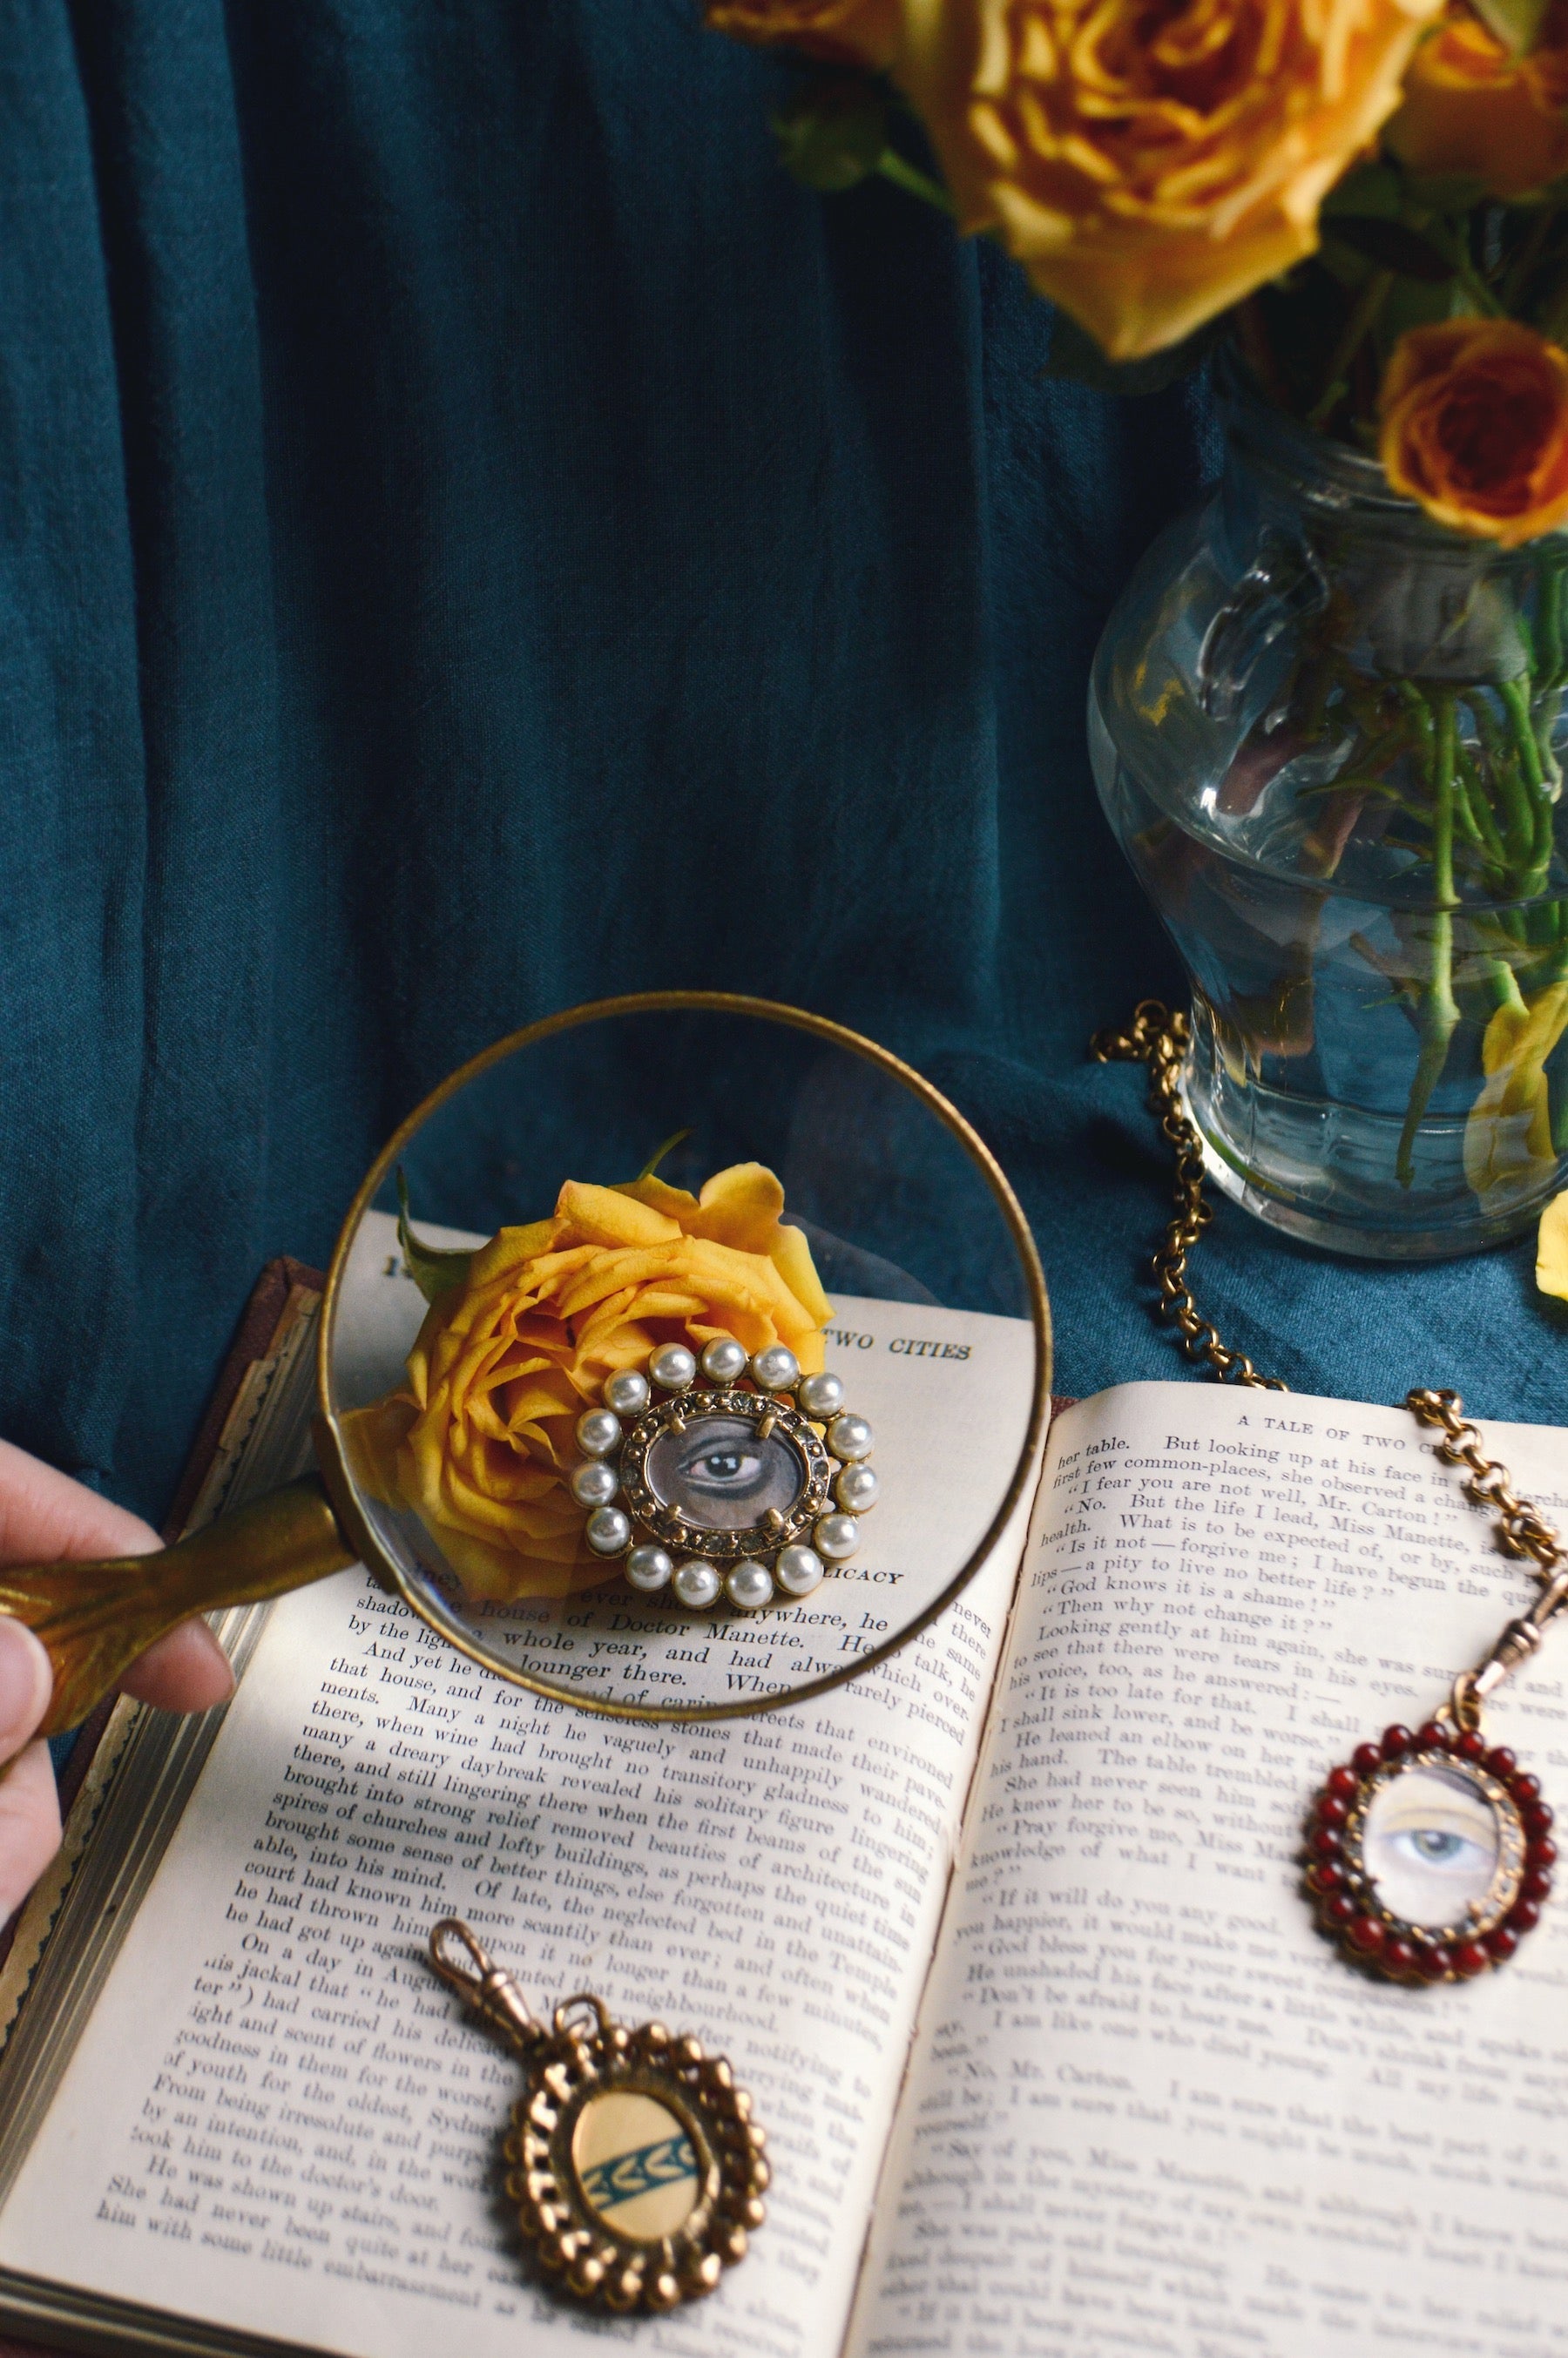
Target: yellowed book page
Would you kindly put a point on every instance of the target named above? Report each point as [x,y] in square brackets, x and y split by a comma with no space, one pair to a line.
[276,2119]
[1151,2109]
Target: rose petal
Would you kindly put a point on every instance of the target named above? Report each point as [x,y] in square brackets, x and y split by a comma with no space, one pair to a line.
[1552,1248]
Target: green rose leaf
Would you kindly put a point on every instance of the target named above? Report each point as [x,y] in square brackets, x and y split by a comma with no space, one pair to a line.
[1376,186]
[434,1272]
[835,134]
[1517,23]
[1392,244]
[1442,192]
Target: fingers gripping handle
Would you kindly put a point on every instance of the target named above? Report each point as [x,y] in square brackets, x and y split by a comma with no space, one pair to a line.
[94,1618]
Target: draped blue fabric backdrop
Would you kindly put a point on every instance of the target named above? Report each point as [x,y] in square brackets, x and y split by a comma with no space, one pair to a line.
[441,455]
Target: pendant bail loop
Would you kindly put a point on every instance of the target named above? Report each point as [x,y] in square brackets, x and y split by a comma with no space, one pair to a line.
[491,1992]
[1464,1703]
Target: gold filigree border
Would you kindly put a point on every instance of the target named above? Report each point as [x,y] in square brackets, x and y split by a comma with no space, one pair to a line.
[584,2058]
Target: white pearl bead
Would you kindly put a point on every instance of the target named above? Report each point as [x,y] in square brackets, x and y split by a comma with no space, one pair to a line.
[607,1530]
[850,1436]
[856,1489]
[821,1397]
[594,1483]
[836,1536]
[648,1568]
[672,1367]
[724,1360]
[598,1433]
[749,1585]
[798,1569]
[696,1584]
[775,1369]
[627,1392]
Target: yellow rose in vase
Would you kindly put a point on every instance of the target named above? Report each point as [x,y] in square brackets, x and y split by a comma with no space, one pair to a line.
[480,1441]
[1471,105]
[1150,167]
[1508,1135]
[1472,422]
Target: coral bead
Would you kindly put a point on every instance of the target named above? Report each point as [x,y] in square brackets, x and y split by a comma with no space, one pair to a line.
[1327,1842]
[1501,1761]
[1396,1739]
[1434,1964]
[1524,1916]
[1537,1885]
[1367,1935]
[1340,1910]
[1471,1746]
[1537,1819]
[1469,1960]
[1344,1784]
[1332,1811]
[1501,1943]
[1525,1790]
[1365,1757]
[1434,1738]
[1398,1958]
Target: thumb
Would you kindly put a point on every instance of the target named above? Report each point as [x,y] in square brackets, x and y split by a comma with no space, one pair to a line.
[27,1683]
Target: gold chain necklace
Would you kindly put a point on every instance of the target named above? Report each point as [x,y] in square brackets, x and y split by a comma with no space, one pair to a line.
[1428,1854]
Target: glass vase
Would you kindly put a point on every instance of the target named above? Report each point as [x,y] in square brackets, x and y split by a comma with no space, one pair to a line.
[1328,735]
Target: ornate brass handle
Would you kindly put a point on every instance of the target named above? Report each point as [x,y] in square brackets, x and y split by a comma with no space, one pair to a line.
[94,1618]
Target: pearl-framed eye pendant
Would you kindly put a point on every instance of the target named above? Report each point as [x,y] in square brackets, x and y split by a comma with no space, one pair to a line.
[725,1480]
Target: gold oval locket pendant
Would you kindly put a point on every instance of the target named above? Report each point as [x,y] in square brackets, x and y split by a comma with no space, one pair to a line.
[632,2158]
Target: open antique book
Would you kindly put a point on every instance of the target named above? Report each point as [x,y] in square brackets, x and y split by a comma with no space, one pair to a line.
[1006,1937]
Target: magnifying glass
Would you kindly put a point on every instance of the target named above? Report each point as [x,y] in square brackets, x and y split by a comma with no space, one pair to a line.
[730,1455]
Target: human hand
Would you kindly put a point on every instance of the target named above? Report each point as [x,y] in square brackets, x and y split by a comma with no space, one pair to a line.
[46,1517]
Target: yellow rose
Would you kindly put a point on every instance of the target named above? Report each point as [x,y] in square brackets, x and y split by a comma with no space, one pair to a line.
[1508,1136]
[1151,166]
[1552,1248]
[1471,105]
[851,32]
[1472,422]
[480,1442]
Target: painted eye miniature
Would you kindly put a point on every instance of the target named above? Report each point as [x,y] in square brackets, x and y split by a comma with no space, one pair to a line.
[724,1480]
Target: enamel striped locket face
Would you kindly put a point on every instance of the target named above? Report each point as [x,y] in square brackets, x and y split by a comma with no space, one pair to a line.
[634,2163]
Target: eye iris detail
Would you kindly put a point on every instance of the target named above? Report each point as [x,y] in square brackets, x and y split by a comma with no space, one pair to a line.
[1434,1845]
[723,1465]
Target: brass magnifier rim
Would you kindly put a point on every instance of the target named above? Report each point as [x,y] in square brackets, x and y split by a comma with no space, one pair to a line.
[330,1444]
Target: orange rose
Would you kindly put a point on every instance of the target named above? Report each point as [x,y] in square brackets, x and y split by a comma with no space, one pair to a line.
[851,32]
[480,1441]
[1475,426]
[1151,163]
[1470,105]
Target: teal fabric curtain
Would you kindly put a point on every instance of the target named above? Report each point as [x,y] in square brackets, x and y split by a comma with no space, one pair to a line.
[441,457]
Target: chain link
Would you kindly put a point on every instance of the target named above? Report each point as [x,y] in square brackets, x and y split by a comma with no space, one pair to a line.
[1160,1040]
[1523,1529]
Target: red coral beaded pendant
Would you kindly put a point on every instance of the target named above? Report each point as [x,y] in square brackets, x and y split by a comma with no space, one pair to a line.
[1430,1855]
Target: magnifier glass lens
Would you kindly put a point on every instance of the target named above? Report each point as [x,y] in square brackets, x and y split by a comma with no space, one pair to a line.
[659,1444]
